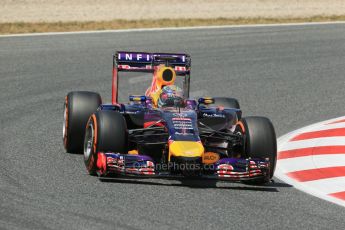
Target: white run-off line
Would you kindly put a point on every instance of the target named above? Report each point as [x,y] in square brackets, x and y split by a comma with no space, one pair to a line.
[312,159]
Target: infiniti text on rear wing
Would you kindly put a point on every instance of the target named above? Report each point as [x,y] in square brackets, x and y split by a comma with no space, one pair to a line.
[145,62]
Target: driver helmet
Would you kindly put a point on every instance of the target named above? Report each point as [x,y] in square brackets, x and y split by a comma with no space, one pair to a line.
[169,95]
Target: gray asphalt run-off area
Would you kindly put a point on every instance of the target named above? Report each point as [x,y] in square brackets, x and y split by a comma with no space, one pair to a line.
[292,74]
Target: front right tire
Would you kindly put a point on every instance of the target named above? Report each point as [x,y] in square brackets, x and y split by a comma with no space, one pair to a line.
[78,107]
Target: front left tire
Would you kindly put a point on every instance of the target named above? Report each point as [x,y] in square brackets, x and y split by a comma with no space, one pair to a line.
[106,131]
[260,142]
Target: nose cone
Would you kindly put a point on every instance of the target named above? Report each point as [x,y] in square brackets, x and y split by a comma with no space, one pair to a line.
[186,149]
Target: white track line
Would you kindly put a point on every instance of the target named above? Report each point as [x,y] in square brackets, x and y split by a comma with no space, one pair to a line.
[319,188]
[327,186]
[332,126]
[311,162]
[312,190]
[325,141]
[171,29]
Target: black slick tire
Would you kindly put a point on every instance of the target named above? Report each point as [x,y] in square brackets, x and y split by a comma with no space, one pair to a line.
[260,142]
[78,107]
[106,131]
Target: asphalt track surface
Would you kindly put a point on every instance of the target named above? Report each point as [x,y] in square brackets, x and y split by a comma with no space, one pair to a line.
[294,75]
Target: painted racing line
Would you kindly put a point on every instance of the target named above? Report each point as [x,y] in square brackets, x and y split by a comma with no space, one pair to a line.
[312,159]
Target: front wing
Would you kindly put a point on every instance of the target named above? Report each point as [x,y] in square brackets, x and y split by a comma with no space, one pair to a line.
[233,169]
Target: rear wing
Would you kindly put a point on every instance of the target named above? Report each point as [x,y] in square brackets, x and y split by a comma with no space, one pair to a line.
[124,61]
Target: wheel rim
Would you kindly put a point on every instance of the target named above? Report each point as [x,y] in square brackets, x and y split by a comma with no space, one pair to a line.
[88,143]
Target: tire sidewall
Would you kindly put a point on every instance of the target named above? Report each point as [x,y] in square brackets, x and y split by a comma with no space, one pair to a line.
[65,124]
[90,159]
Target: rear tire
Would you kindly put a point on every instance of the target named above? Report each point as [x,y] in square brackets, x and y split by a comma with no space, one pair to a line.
[78,107]
[106,131]
[260,142]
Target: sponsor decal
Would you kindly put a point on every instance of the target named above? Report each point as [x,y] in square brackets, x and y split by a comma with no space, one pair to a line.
[134,57]
[180,115]
[182,123]
[210,158]
[147,57]
[185,134]
[212,115]
[181,119]
[132,112]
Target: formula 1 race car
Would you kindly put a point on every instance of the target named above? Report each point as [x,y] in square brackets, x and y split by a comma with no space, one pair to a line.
[164,132]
